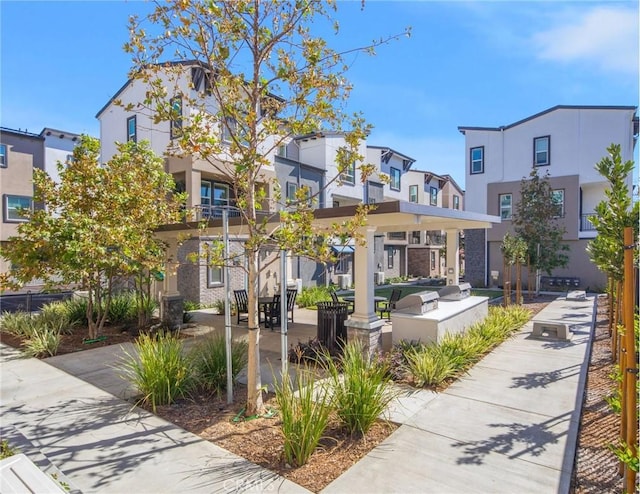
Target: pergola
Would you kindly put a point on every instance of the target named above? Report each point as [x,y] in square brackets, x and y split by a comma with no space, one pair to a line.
[394,216]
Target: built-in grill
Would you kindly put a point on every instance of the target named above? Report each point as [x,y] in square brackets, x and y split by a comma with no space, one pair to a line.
[418,303]
[455,292]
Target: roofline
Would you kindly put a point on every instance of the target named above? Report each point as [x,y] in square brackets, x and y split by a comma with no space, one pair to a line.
[22,133]
[58,131]
[463,129]
[169,63]
[393,151]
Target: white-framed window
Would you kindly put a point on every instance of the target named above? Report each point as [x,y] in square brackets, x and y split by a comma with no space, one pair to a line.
[395,179]
[132,130]
[3,156]
[13,207]
[229,127]
[557,196]
[348,176]
[282,150]
[415,237]
[433,260]
[542,151]
[413,193]
[176,117]
[390,258]
[215,274]
[477,160]
[292,188]
[433,196]
[506,206]
[456,202]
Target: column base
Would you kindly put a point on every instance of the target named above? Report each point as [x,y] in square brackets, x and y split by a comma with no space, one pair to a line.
[173,311]
[368,333]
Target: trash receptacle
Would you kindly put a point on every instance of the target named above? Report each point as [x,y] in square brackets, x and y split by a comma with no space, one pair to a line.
[331,328]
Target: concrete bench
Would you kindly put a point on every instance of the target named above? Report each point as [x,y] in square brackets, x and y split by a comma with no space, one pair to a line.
[542,329]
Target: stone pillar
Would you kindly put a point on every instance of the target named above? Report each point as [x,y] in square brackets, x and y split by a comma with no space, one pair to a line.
[453,257]
[172,302]
[364,325]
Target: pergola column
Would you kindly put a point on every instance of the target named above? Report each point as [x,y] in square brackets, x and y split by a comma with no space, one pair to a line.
[172,302]
[364,324]
[453,257]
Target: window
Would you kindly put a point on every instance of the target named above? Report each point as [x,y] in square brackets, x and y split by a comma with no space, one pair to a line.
[291,191]
[477,160]
[557,196]
[456,202]
[336,204]
[342,263]
[415,238]
[220,194]
[390,258]
[228,129]
[541,151]
[132,134]
[396,235]
[433,196]
[3,155]
[395,179]
[506,206]
[413,193]
[282,150]
[13,206]
[176,117]
[215,275]
[349,174]
[433,260]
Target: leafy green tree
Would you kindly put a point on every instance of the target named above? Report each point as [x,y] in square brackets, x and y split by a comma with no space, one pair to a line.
[97,224]
[613,214]
[536,222]
[266,78]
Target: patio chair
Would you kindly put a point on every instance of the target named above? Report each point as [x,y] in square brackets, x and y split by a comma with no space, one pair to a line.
[242,305]
[350,305]
[291,301]
[272,312]
[389,305]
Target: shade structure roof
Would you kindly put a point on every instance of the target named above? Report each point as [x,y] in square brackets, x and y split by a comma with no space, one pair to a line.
[392,216]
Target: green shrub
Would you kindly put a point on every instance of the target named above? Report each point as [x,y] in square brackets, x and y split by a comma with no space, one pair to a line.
[310,296]
[55,316]
[6,450]
[17,323]
[43,342]
[360,387]
[123,308]
[431,366]
[305,415]
[76,308]
[191,305]
[159,369]
[210,360]
[218,305]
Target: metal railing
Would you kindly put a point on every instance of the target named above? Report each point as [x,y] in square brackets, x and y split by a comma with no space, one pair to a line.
[585,223]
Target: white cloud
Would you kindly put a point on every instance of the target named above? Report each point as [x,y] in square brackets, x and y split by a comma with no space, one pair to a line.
[605,37]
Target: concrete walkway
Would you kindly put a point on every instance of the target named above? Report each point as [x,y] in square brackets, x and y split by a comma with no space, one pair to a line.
[510,425]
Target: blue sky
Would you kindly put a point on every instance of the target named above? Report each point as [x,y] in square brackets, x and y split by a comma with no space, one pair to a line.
[466,63]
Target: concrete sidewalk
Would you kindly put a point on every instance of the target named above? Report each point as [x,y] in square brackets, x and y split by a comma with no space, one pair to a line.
[510,425]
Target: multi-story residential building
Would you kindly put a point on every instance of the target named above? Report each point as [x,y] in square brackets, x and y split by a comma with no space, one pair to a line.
[20,153]
[58,148]
[564,141]
[425,248]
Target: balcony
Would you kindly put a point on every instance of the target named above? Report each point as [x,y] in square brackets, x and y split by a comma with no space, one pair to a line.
[585,223]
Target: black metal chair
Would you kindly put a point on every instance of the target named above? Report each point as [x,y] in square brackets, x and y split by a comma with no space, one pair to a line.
[291,302]
[389,305]
[242,305]
[336,301]
[272,312]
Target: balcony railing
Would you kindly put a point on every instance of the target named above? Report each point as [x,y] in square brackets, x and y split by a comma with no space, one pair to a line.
[585,224]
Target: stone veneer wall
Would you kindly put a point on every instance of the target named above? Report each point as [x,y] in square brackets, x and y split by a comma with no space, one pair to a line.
[475,257]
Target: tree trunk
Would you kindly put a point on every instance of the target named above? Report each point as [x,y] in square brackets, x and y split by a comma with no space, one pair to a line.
[254,379]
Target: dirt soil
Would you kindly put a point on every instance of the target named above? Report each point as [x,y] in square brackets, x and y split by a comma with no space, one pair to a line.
[260,441]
